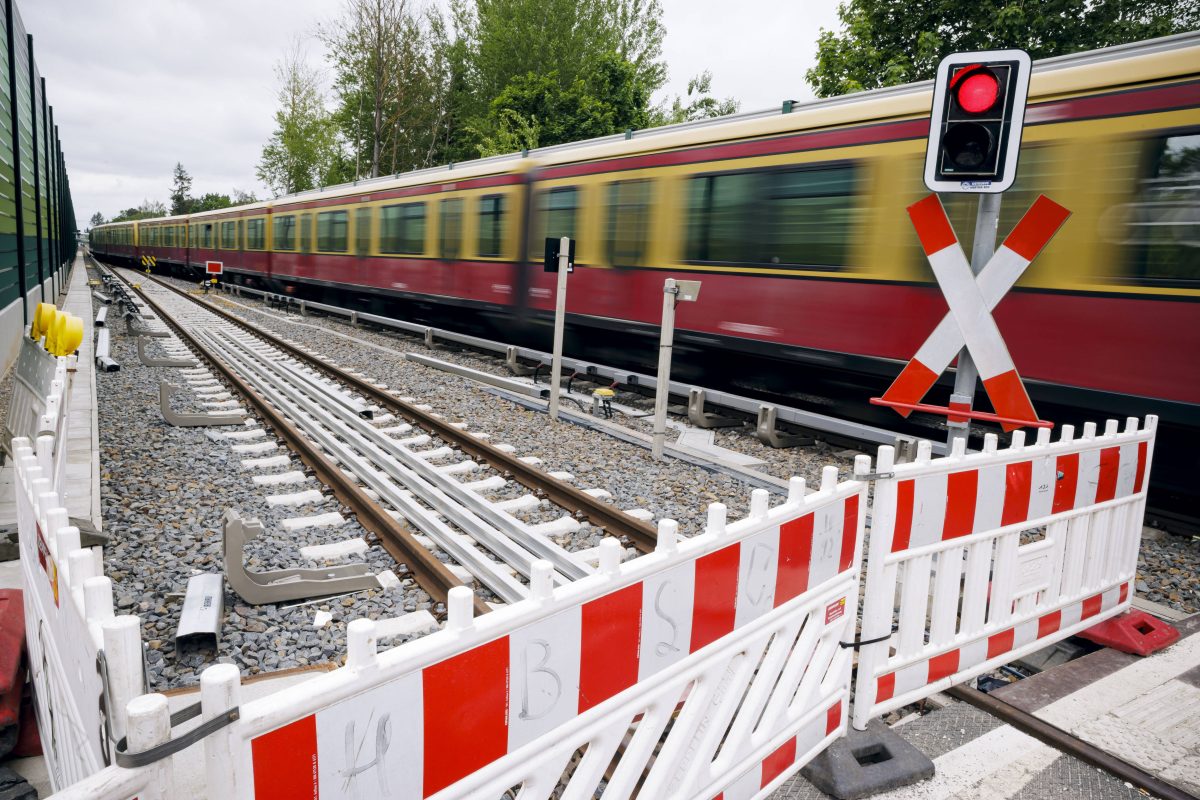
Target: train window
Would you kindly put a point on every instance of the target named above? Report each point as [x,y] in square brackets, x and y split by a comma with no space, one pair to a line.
[362,231]
[402,228]
[168,237]
[256,234]
[1161,227]
[491,224]
[628,218]
[285,232]
[800,217]
[555,217]
[451,228]
[306,233]
[228,235]
[332,231]
[241,235]
[208,235]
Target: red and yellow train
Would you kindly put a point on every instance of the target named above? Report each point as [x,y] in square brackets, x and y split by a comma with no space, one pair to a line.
[795,222]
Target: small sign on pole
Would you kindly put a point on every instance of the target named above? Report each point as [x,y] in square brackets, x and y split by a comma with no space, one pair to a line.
[673,291]
[560,253]
[214,267]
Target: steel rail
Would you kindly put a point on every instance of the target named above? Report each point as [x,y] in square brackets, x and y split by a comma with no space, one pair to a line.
[608,517]
[393,536]
[1064,742]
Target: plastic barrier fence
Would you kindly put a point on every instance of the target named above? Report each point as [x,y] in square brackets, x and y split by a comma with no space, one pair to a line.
[69,620]
[39,403]
[709,667]
[979,559]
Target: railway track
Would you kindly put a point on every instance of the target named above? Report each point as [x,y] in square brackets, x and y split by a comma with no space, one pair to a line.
[421,472]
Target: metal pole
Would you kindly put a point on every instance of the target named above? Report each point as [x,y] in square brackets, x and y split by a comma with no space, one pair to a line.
[662,386]
[987,217]
[560,313]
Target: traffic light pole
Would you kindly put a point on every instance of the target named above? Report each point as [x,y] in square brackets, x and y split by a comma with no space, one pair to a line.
[987,219]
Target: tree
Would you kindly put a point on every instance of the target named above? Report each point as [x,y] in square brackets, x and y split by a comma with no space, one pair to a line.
[241,198]
[889,42]
[97,219]
[211,202]
[384,60]
[149,209]
[181,191]
[303,151]
[535,111]
[702,106]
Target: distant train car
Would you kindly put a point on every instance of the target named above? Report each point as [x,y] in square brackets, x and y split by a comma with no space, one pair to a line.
[796,225]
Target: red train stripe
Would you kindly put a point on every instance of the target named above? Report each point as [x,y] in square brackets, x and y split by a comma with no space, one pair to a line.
[932,224]
[795,558]
[466,713]
[1110,464]
[1036,228]
[961,490]
[1017,487]
[905,492]
[1064,487]
[715,603]
[608,652]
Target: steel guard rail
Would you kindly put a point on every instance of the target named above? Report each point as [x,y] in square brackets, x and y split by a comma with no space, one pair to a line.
[996,554]
[712,664]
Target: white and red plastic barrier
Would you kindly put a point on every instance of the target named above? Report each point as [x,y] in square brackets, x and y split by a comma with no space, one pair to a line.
[710,666]
[996,554]
[69,622]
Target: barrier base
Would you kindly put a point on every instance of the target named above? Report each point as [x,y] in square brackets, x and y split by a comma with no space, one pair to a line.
[864,763]
[1133,632]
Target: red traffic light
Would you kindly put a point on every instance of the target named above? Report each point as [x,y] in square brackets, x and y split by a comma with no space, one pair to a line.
[975,88]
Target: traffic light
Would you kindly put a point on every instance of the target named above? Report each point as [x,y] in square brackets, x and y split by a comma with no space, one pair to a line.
[976,120]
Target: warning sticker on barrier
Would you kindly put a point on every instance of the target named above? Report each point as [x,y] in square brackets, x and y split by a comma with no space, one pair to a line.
[772,593]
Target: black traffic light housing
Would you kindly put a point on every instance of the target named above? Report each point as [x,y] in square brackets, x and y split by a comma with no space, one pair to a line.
[976,120]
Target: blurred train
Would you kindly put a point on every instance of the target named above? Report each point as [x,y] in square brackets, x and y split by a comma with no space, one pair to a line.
[814,285]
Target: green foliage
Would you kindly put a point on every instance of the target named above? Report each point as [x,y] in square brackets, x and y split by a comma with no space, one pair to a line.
[700,104]
[97,219]
[303,152]
[535,111]
[181,191]
[149,209]
[890,42]
[211,202]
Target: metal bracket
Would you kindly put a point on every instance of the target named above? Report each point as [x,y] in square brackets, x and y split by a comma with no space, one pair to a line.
[150,361]
[704,419]
[514,366]
[767,430]
[280,585]
[172,417]
[169,748]
[873,476]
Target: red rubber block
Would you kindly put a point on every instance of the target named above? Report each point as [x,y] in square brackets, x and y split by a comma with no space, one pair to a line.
[12,640]
[29,740]
[1133,632]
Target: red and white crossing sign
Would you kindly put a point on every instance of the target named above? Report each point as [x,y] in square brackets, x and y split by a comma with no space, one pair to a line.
[214,267]
[971,299]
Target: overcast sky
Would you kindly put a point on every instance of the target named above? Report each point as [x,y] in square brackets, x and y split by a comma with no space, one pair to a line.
[138,85]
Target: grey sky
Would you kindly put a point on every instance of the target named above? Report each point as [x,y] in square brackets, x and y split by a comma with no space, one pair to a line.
[138,85]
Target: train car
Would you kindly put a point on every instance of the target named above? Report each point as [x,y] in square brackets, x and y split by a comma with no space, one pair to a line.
[117,240]
[165,239]
[237,237]
[814,284]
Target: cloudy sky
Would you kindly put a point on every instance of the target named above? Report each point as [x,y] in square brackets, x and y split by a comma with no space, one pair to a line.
[138,85]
